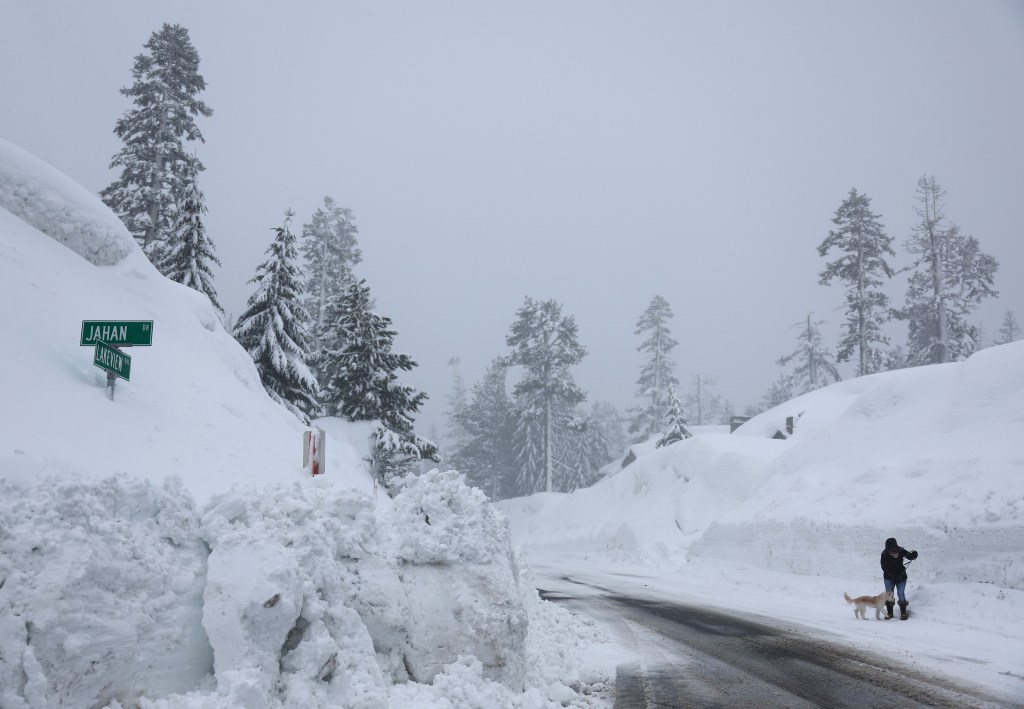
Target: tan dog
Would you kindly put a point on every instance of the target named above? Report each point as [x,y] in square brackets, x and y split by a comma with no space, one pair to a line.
[862,603]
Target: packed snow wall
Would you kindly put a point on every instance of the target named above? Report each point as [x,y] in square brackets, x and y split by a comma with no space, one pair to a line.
[60,208]
[811,547]
[301,594]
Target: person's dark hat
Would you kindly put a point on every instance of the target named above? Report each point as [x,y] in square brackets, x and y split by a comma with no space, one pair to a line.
[890,543]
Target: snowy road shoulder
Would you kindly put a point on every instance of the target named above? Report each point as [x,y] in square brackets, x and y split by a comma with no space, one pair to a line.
[968,633]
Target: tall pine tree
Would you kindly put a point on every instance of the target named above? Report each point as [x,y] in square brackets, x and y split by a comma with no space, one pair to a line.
[545,344]
[153,160]
[528,446]
[485,451]
[609,422]
[1010,330]
[330,249]
[586,452]
[656,374]
[951,276]
[273,328]
[863,245]
[709,406]
[813,366]
[780,391]
[188,259]
[458,402]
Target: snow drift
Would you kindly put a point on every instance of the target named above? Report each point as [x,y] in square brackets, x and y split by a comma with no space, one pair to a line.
[167,550]
[60,208]
[932,453]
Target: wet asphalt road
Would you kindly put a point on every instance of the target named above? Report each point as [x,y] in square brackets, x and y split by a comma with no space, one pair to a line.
[693,656]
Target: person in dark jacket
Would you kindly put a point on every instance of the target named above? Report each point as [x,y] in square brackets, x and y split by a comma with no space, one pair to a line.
[894,574]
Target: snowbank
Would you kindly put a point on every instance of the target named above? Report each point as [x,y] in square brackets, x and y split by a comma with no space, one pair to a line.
[101,590]
[930,454]
[60,208]
[654,508]
[166,550]
[194,407]
[289,595]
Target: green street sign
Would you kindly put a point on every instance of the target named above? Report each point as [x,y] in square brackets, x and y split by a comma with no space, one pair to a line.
[106,357]
[117,333]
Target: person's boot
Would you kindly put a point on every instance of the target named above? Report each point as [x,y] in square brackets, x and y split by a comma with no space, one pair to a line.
[889,605]
[903,610]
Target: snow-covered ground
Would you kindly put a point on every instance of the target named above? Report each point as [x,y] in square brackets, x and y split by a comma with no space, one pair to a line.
[781,528]
[167,550]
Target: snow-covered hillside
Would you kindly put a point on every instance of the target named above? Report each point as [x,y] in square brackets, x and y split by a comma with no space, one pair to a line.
[934,452]
[933,456]
[166,548]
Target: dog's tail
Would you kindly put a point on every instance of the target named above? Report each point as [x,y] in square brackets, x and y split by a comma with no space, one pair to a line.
[847,597]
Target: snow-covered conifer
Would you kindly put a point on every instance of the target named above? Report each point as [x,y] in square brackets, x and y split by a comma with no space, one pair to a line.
[1010,330]
[153,159]
[330,250]
[274,331]
[545,344]
[951,276]
[709,406]
[362,385]
[528,450]
[609,422]
[677,429]
[586,452]
[458,402]
[485,452]
[656,374]
[190,254]
[813,365]
[863,245]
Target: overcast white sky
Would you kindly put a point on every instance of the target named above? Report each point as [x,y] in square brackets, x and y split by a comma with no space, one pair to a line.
[597,153]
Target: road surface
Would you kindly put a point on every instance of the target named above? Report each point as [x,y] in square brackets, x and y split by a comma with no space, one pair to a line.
[695,656]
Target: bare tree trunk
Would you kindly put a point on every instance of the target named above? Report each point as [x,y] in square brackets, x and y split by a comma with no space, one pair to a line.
[700,404]
[861,325]
[656,410]
[812,360]
[940,304]
[548,472]
[931,194]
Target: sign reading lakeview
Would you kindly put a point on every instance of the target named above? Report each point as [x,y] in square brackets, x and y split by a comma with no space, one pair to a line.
[106,357]
[117,333]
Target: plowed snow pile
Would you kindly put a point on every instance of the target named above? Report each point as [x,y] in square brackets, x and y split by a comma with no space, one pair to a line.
[166,549]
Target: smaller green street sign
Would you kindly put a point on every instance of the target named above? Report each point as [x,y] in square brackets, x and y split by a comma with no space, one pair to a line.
[117,333]
[106,357]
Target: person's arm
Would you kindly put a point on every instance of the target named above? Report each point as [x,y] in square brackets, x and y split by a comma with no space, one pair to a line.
[911,555]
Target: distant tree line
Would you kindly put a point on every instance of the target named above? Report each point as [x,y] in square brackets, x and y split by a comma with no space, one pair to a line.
[949,276]
[321,349]
[535,435]
[538,438]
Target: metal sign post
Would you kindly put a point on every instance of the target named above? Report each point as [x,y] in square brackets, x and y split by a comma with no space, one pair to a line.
[109,336]
[116,363]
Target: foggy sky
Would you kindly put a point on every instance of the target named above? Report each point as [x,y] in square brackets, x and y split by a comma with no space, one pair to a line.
[597,153]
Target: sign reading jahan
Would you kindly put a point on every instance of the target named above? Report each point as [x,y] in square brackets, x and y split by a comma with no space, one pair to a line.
[106,357]
[117,333]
